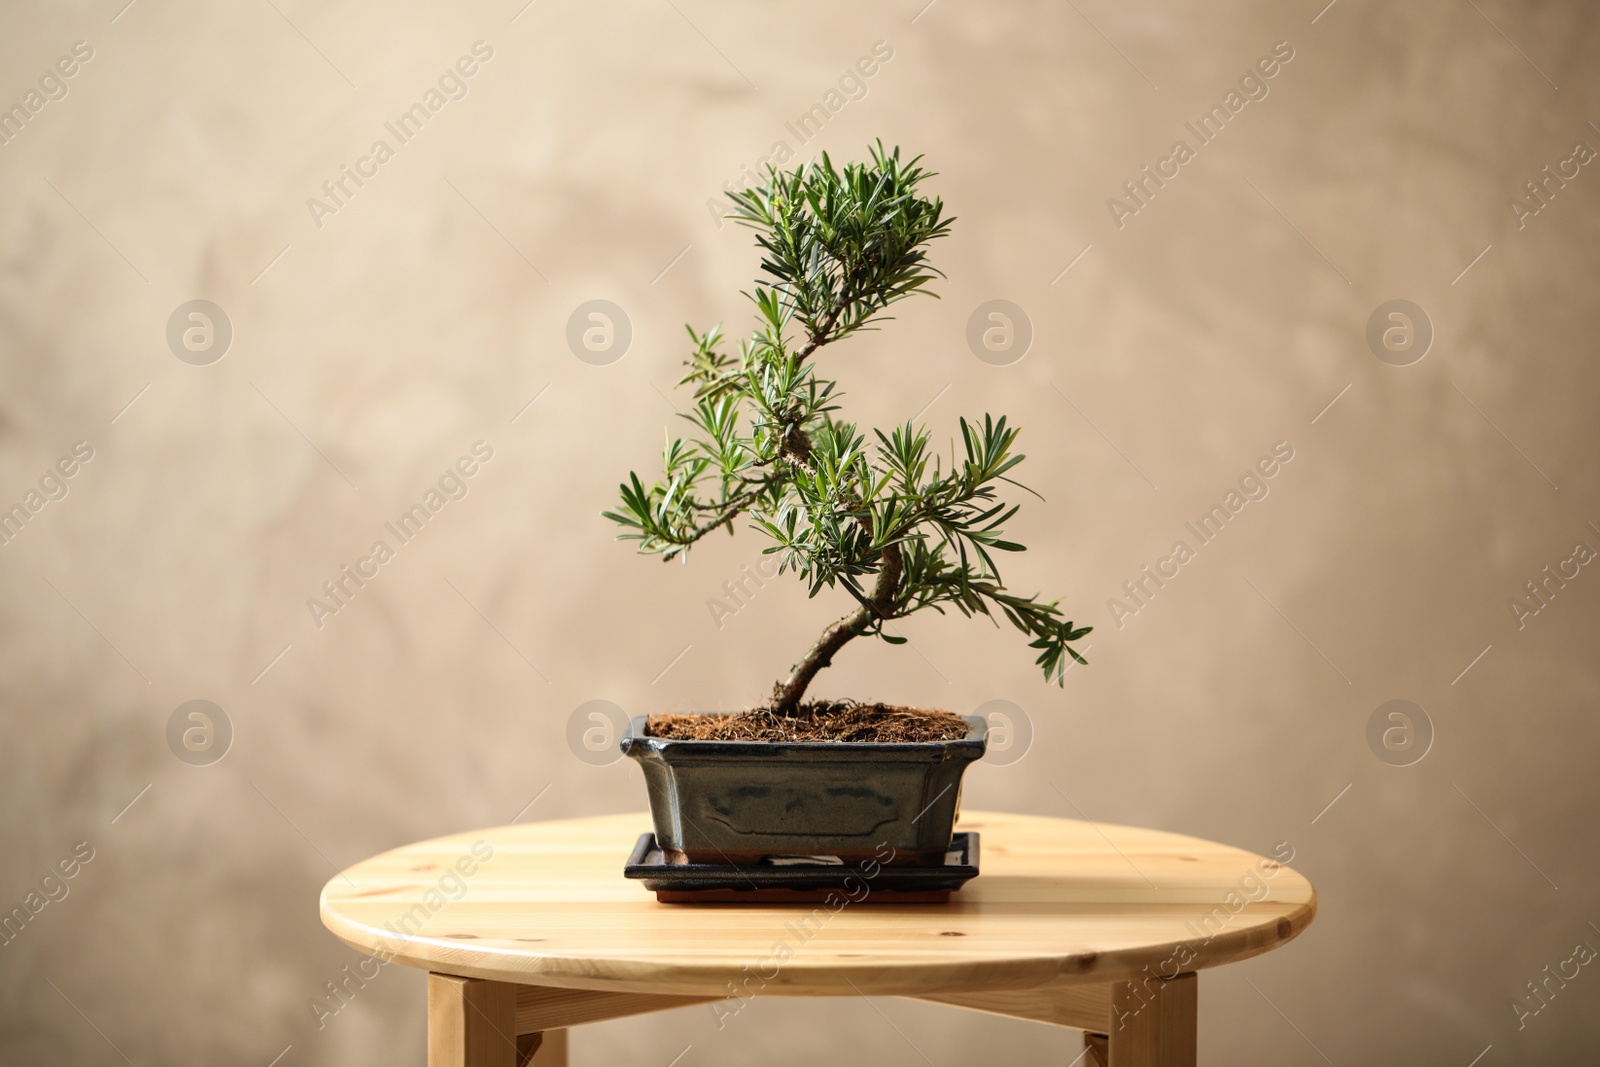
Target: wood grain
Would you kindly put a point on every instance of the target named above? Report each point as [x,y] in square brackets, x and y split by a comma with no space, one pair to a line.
[471,1023]
[1059,902]
[1083,1007]
[546,1008]
[1153,1024]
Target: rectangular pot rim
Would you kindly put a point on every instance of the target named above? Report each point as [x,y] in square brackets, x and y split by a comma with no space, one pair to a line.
[636,739]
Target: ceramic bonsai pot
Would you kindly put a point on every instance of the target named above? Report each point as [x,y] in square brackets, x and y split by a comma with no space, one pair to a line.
[741,802]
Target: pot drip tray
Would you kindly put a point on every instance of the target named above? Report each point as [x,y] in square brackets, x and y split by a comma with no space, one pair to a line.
[802,879]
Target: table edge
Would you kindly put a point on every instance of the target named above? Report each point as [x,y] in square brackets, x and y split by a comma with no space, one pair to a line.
[526,967]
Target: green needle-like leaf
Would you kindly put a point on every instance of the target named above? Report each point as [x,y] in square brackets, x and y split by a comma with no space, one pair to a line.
[899,528]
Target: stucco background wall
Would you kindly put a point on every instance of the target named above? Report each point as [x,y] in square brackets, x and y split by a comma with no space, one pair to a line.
[371,351]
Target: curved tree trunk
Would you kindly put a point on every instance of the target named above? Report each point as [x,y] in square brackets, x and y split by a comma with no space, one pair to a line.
[786,694]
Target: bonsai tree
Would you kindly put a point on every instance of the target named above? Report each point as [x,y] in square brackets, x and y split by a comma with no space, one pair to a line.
[899,528]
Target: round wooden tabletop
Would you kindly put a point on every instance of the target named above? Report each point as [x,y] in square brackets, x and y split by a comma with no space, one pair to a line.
[1058,901]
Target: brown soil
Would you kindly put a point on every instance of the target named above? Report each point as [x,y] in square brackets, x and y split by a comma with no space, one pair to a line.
[821,720]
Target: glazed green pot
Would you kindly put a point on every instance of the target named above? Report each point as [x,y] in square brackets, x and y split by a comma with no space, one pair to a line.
[743,802]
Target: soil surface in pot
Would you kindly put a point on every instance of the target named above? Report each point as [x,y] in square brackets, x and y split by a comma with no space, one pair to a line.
[821,720]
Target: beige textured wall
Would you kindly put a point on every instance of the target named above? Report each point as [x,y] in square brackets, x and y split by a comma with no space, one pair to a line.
[424,314]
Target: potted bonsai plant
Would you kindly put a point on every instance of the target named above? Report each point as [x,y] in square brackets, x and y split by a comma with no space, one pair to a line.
[882,518]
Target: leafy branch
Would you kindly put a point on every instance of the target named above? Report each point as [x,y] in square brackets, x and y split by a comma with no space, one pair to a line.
[897,527]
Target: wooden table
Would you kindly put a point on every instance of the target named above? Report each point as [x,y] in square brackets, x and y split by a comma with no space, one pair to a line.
[530,929]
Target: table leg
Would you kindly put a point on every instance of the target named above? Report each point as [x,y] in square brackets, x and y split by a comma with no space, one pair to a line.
[1153,1024]
[472,1023]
